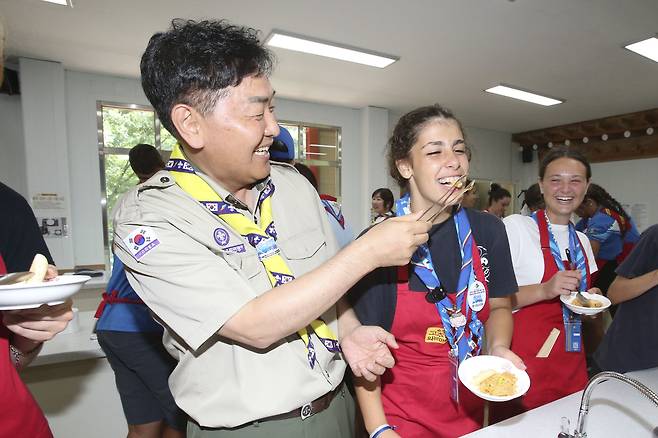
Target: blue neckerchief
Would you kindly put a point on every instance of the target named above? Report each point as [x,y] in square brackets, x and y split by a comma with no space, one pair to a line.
[465,346]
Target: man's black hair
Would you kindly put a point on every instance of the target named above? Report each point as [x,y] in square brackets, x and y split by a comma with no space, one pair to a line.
[145,160]
[194,62]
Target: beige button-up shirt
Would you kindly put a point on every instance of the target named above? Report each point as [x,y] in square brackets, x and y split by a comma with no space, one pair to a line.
[194,272]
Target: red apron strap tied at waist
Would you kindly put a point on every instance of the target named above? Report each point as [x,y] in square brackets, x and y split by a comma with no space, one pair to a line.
[114,298]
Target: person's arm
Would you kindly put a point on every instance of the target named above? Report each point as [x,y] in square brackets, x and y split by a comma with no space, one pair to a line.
[596,246]
[365,347]
[283,310]
[369,396]
[499,328]
[562,283]
[624,289]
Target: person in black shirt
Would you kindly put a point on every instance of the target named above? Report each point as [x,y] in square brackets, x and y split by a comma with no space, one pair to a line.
[20,235]
[22,332]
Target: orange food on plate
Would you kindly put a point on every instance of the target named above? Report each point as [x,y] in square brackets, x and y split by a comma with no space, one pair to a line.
[496,383]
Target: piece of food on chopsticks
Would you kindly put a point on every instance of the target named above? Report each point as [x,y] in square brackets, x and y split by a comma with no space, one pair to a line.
[499,384]
[39,268]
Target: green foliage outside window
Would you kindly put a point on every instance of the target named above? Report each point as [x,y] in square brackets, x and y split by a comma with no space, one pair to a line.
[124,128]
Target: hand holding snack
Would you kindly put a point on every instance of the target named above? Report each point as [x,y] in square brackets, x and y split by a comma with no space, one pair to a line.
[39,268]
[39,272]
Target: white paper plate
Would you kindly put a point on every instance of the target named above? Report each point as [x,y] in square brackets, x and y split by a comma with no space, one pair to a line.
[27,296]
[472,367]
[568,301]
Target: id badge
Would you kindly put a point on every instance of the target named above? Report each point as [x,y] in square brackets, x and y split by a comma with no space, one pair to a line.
[453,359]
[572,335]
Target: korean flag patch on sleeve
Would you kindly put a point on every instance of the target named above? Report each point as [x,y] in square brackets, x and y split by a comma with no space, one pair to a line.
[141,241]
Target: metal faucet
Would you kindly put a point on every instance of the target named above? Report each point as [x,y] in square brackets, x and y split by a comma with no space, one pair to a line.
[579,432]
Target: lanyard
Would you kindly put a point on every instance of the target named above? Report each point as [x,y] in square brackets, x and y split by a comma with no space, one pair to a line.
[460,333]
[572,322]
[575,248]
[262,237]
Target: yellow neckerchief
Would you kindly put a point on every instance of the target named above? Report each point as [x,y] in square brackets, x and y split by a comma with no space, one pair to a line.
[262,238]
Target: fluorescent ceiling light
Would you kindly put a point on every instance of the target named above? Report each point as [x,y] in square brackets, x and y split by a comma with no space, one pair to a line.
[330,50]
[515,93]
[60,2]
[648,48]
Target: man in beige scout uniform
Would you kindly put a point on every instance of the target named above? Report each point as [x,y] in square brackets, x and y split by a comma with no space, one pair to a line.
[237,259]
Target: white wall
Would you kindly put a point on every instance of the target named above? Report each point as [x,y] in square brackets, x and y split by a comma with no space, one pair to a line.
[82,92]
[43,103]
[492,153]
[12,144]
[523,174]
[631,182]
[374,168]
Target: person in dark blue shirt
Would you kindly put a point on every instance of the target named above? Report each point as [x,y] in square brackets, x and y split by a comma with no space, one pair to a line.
[631,342]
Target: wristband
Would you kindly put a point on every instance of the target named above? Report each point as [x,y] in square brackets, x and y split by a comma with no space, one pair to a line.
[18,356]
[381,429]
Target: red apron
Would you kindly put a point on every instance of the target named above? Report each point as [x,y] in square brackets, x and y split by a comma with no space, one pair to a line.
[416,391]
[114,298]
[561,373]
[20,415]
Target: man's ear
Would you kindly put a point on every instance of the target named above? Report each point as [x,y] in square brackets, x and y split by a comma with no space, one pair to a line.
[187,121]
[404,167]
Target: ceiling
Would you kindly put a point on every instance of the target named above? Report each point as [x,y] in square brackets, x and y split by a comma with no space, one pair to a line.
[450,50]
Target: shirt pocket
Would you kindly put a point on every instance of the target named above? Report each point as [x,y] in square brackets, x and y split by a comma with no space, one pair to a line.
[303,245]
[246,263]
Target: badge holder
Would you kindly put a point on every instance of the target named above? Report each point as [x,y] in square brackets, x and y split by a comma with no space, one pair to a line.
[453,358]
[572,334]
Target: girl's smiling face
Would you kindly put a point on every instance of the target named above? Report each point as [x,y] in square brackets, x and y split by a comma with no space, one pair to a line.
[379,205]
[564,186]
[436,160]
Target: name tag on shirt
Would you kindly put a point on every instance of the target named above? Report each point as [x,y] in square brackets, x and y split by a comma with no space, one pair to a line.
[435,335]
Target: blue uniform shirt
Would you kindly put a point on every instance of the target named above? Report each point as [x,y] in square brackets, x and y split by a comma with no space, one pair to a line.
[604,229]
[125,317]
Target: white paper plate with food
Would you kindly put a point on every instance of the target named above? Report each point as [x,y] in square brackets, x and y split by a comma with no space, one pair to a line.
[596,303]
[30,295]
[493,378]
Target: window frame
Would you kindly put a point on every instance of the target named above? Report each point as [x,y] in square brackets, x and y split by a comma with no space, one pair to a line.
[320,163]
[103,151]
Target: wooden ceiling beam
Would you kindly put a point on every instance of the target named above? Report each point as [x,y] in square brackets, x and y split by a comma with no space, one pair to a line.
[633,148]
[612,126]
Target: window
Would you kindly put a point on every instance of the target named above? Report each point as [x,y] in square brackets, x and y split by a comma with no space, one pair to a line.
[120,127]
[319,148]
